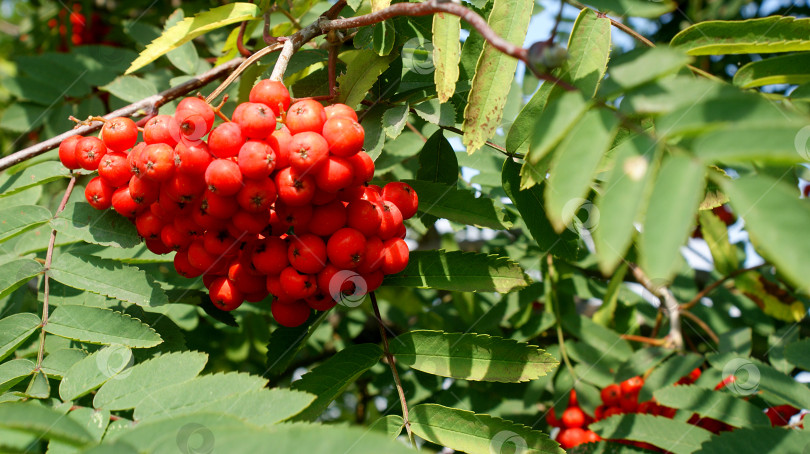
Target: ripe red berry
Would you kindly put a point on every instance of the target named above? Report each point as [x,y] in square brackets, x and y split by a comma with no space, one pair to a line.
[256,159]
[373,280]
[161,129]
[250,222]
[320,302]
[124,204]
[395,258]
[308,151]
[270,256]
[390,221]
[244,279]
[226,140]
[373,256]
[344,136]
[294,188]
[307,253]
[114,169]
[225,295]
[573,417]
[346,248]
[334,174]
[67,152]
[156,162]
[632,385]
[403,196]
[271,93]
[143,192]
[291,314]
[173,238]
[218,206]
[629,402]
[569,438]
[191,159]
[364,216]
[223,177]
[119,134]
[280,141]
[362,168]
[256,195]
[611,395]
[89,151]
[256,120]
[99,193]
[340,110]
[219,242]
[184,267]
[198,256]
[328,218]
[183,187]
[306,115]
[296,284]
[200,107]
[551,418]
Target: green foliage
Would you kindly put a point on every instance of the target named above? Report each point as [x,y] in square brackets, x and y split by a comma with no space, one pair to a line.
[769,34]
[677,436]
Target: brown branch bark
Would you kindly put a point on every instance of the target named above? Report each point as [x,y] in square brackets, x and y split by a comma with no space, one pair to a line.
[145,105]
[708,289]
[675,335]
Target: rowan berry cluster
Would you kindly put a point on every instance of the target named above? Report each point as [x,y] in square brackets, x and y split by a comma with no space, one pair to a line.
[262,206]
[573,424]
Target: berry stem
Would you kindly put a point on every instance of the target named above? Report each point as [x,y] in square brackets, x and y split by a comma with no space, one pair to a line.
[48,260]
[240,41]
[390,358]
[702,325]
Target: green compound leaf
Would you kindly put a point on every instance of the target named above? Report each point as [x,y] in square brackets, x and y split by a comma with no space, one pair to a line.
[446,53]
[636,8]
[35,175]
[108,278]
[13,372]
[20,219]
[477,357]
[97,325]
[477,433]
[15,273]
[459,205]
[14,330]
[677,437]
[328,380]
[753,36]
[107,228]
[758,440]
[712,404]
[460,271]
[94,370]
[363,67]
[42,422]
[788,69]
[494,73]
[192,27]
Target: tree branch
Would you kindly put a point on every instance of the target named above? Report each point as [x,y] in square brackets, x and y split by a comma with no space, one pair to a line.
[675,336]
[708,289]
[145,105]
[702,325]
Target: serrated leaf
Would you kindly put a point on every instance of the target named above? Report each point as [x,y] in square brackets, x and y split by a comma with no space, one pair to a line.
[15,273]
[529,203]
[679,187]
[754,376]
[459,205]
[762,35]
[669,93]
[575,164]
[39,387]
[35,175]
[557,119]
[95,422]
[636,8]
[787,308]
[195,430]
[184,57]
[285,343]
[744,144]
[108,278]
[432,111]
[107,228]
[130,88]
[757,440]
[588,52]
[437,161]
[736,341]
[715,232]
[446,54]
[97,325]
[328,380]
[669,372]
[798,353]
[94,370]
[192,27]
[14,330]
[788,69]
[13,372]
[189,397]
[57,363]
[623,200]
[19,219]
[460,271]
[640,66]
[604,340]
[363,67]
[477,357]
[148,377]
[606,447]
[675,436]
[763,199]
[712,404]
[472,433]
[642,360]
[42,422]
[517,139]
[383,38]
[262,407]
[394,120]
[494,73]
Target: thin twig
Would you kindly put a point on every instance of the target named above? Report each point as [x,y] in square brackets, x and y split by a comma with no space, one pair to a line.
[240,43]
[551,298]
[617,24]
[241,68]
[146,105]
[292,19]
[488,143]
[415,131]
[393,366]
[702,325]
[47,268]
[675,336]
[557,22]
[643,339]
[708,289]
